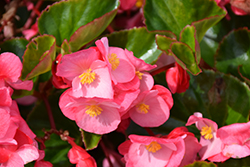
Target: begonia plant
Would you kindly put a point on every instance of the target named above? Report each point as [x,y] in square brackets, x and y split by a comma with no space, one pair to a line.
[124,83]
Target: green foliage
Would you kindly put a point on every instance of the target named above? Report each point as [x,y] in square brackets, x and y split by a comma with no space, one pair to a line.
[90,140]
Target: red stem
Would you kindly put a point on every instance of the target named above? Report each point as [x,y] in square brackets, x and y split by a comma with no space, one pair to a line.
[150,132]
[164,68]
[49,111]
[110,29]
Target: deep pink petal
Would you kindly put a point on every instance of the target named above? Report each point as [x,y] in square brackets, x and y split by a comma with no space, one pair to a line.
[15,160]
[11,67]
[5,122]
[5,96]
[24,85]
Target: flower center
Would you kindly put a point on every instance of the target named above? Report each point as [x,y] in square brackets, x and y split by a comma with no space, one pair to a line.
[138,3]
[139,74]
[206,132]
[93,110]
[143,108]
[114,61]
[87,77]
[153,147]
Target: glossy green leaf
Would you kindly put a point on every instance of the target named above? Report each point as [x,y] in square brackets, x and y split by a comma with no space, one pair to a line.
[175,15]
[201,164]
[183,54]
[38,56]
[15,45]
[90,140]
[139,41]
[219,97]
[90,31]
[242,162]
[65,48]
[234,51]
[62,19]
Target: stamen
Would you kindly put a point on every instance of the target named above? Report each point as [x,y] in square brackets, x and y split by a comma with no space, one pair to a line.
[206,132]
[93,110]
[143,108]
[114,61]
[87,77]
[153,147]
[138,3]
[139,74]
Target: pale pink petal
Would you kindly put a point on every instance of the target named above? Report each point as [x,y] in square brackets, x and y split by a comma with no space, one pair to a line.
[106,122]
[11,67]
[158,111]
[28,153]
[132,85]
[103,46]
[210,147]
[218,158]
[165,94]
[236,151]
[75,64]
[14,161]
[147,82]
[177,155]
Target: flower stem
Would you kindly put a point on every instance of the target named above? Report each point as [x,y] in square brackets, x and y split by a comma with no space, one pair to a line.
[164,68]
[49,111]
[150,132]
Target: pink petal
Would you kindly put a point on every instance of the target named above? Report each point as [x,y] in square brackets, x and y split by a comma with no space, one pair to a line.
[5,122]
[11,67]
[28,153]
[15,160]
[5,96]
[24,85]
[236,151]
[147,82]
[165,94]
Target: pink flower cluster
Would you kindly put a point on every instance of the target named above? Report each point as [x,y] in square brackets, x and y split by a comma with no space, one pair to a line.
[17,141]
[107,85]
[180,147]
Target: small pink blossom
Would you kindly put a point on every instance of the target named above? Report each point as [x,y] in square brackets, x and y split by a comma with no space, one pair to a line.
[95,115]
[117,62]
[148,151]
[89,75]
[29,33]
[149,109]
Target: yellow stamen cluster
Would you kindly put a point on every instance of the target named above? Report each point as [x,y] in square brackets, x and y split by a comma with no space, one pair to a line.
[93,110]
[207,132]
[143,108]
[139,3]
[113,60]
[153,147]
[87,77]
[139,74]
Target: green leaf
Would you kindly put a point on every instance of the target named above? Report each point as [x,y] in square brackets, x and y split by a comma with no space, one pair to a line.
[219,97]
[91,140]
[38,56]
[234,51]
[183,54]
[62,19]
[201,164]
[242,162]
[65,48]
[175,15]
[138,40]
[90,31]
[15,45]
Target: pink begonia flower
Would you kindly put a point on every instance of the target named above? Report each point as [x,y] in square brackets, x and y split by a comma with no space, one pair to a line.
[218,145]
[236,140]
[77,155]
[18,152]
[58,82]
[95,115]
[148,151]
[239,7]
[10,71]
[40,161]
[177,79]
[149,109]
[121,69]
[90,76]
[29,33]
[211,144]
[192,146]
